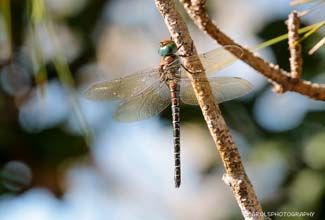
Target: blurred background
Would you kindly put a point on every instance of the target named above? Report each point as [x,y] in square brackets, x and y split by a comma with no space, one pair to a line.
[63,157]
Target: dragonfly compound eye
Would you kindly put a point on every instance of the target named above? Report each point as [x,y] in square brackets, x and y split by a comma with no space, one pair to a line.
[168,49]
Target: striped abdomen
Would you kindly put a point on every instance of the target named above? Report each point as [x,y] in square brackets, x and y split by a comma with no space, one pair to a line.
[174,92]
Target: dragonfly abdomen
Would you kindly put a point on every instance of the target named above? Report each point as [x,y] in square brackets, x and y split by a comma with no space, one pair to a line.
[175,103]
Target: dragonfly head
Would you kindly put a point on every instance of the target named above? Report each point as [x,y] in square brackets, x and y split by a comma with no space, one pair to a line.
[167,47]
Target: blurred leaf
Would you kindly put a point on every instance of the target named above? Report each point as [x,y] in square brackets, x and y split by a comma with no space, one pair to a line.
[5,30]
[62,67]
[317,46]
[300,2]
[312,31]
[38,11]
[285,36]
[66,79]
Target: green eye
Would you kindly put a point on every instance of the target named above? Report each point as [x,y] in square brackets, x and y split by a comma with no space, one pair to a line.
[167,49]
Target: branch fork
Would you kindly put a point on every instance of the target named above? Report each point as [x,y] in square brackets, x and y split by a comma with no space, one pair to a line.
[279,77]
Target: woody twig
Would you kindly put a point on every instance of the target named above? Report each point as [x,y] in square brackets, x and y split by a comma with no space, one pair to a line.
[276,75]
[293,24]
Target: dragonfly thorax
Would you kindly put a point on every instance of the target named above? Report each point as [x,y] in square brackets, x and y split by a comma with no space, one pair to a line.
[169,61]
[170,66]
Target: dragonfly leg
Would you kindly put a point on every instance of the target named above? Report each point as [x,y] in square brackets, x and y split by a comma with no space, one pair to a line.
[190,71]
[183,55]
[162,76]
[180,46]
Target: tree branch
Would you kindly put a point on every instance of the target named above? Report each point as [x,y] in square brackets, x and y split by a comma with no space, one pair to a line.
[196,10]
[293,24]
[235,172]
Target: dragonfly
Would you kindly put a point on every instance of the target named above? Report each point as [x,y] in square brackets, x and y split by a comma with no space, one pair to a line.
[146,93]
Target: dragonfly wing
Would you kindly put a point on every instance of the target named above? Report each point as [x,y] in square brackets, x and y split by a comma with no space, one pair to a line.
[216,59]
[145,105]
[122,88]
[223,89]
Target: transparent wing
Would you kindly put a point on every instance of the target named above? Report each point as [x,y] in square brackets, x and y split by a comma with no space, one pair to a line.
[123,88]
[216,59]
[223,89]
[144,105]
